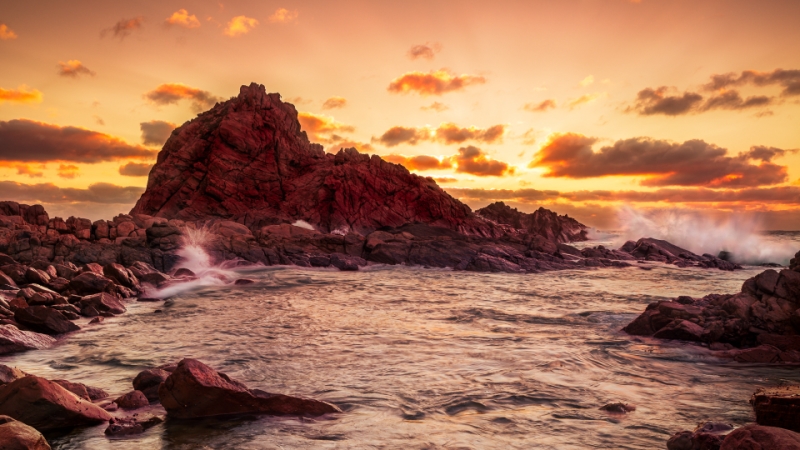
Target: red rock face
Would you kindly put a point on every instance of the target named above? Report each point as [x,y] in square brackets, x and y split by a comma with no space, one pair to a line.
[248,160]
[542,222]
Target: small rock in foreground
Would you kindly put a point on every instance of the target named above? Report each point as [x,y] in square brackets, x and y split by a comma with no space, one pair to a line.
[758,437]
[127,426]
[15,435]
[778,407]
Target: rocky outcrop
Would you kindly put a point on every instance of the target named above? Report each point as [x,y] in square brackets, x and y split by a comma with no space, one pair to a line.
[760,324]
[196,390]
[13,340]
[649,249]
[778,407]
[45,405]
[541,222]
[15,435]
[758,437]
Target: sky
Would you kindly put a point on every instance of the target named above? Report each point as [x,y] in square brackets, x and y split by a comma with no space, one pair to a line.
[585,107]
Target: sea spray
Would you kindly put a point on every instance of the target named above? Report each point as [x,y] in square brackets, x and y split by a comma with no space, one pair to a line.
[194,257]
[701,233]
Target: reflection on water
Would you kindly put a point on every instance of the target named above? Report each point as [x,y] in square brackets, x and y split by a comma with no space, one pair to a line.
[424,359]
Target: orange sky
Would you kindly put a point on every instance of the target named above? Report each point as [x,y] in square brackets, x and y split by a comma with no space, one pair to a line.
[578,106]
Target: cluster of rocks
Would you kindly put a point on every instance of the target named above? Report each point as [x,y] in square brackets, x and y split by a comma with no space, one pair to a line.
[542,222]
[777,426]
[760,324]
[190,389]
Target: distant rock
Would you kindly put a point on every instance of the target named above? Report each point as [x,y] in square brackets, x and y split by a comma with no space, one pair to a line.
[541,222]
[196,390]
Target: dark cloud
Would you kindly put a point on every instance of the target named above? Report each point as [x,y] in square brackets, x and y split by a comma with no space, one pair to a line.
[50,193]
[446,133]
[788,79]
[433,83]
[657,101]
[156,132]
[441,180]
[124,27]
[73,68]
[733,100]
[426,51]
[25,140]
[172,93]
[133,169]
[663,163]
[540,107]
[24,169]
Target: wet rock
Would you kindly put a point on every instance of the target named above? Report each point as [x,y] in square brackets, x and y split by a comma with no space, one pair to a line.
[541,222]
[81,390]
[13,340]
[15,435]
[9,374]
[183,272]
[132,400]
[243,281]
[127,426]
[682,330]
[618,408]
[44,320]
[103,302]
[346,262]
[778,407]
[196,390]
[148,381]
[36,276]
[759,437]
[97,320]
[707,436]
[45,405]
[91,283]
[121,275]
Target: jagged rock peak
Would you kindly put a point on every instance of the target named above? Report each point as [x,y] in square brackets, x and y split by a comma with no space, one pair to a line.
[542,222]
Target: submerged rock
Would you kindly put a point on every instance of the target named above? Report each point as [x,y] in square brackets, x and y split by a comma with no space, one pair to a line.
[758,437]
[127,426]
[45,405]
[618,408]
[15,435]
[196,390]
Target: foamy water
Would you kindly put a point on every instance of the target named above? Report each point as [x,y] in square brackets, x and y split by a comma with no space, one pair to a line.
[422,358]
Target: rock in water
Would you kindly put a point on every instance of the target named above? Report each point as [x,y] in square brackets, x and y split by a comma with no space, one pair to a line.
[148,381]
[196,390]
[44,320]
[248,160]
[127,426]
[15,435]
[778,407]
[45,405]
[758,437]
[12,340]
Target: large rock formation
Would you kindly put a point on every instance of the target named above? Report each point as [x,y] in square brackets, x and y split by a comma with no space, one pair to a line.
[248,160]
[542,222]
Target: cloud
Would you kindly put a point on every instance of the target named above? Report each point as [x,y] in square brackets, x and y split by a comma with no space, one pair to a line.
[334,102]
[583,99]
[530,136]
[124,27]
[73,68]
[450,133]
[733,100]
[340,143]
[433,83]
[320,127]
[446,133]
[663,163]
[68,171]
[6,34]
[283,15]
[240,25]
[24,141]
[788,79]
[133,169]
[540,107]
[587,81]
[182,18]
[442,180]
[172,93]
[106,193]
[403,135]
[156,132]
[474,161]
[99,120]
[435,106]
[657,101]
[421,162]
[424,51]
[766,154]
[298,100]
[24,169]
[21,94]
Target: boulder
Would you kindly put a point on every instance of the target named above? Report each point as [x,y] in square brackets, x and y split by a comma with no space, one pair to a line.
[15,435]
[45,405]
[13,340]
[36,276]
[44,320]
[127,426]
[682,330]
[778,407]
[707,436]
[148,381]
[90,283]
[103,302]
[132,400]
[759,437]
[121,275]
[196,390]
[81,390]
[9,374]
